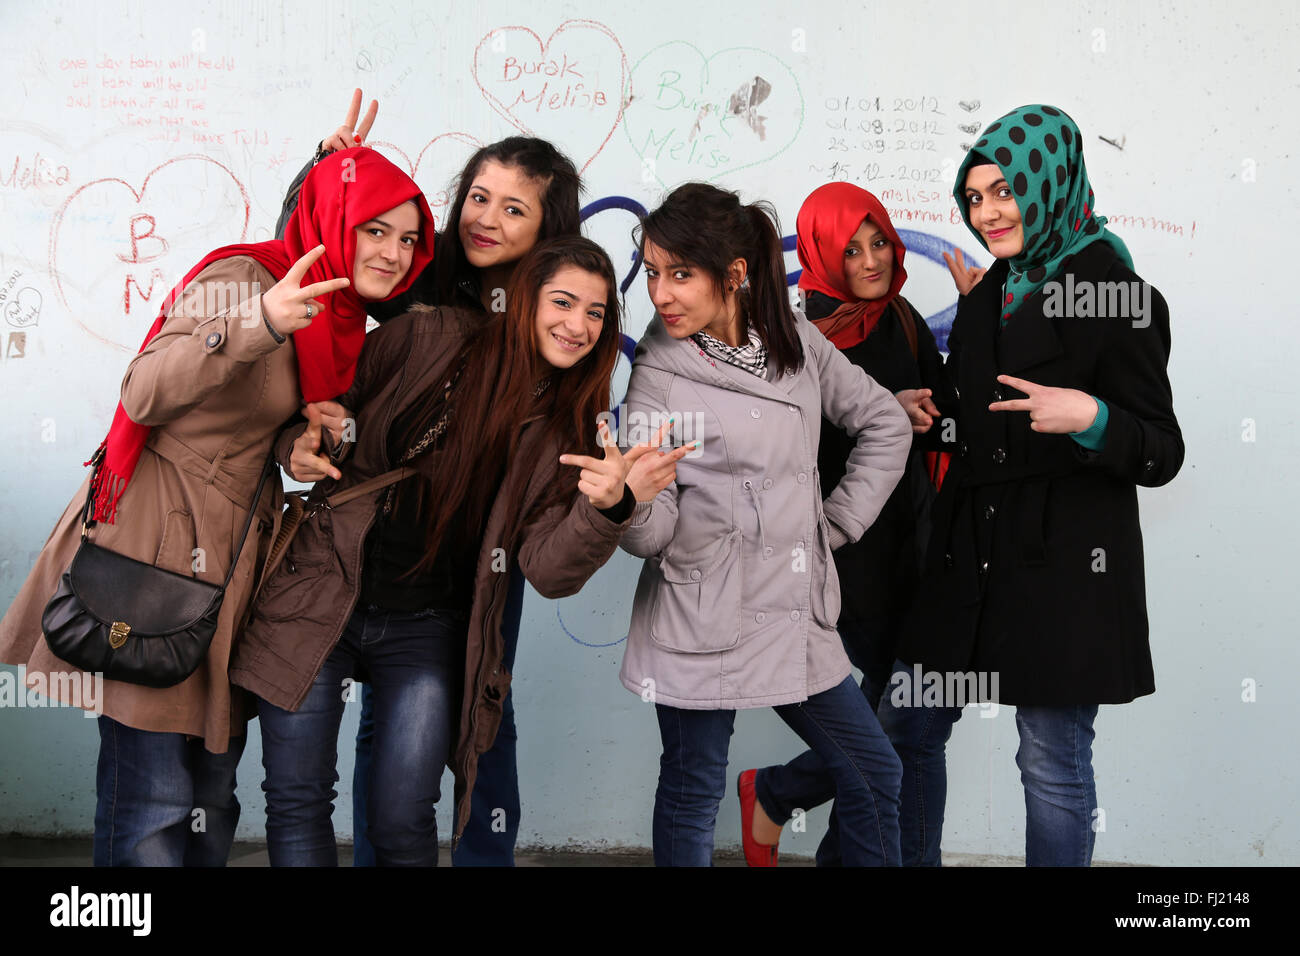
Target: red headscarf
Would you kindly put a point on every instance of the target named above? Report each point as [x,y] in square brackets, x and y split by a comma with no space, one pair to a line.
[827,221]
[343,190]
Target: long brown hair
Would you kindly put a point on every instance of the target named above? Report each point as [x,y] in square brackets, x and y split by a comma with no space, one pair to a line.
[540,162]
[496,393]
[709,228]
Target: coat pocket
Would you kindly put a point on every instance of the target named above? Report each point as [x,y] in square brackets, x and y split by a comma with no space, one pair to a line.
[825,596]
[178,551]
[304,581]
[697,603]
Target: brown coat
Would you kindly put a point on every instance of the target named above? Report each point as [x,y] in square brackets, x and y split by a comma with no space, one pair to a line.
[216,387]
[305,604]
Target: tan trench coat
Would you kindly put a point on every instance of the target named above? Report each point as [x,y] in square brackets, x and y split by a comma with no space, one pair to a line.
[216,387]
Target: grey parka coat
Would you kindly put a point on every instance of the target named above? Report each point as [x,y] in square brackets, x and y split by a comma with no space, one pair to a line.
[738,599]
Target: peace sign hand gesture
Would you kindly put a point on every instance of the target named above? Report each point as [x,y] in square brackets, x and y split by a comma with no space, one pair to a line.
[289,307]
[963,276]
[1054,411]
[350,134]
[602,479]
[652,473]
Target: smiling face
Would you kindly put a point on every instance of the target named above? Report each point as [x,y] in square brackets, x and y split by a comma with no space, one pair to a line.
[385,246]
[869,262]
[686,297]
[570,315]
[993,211]
[502,215]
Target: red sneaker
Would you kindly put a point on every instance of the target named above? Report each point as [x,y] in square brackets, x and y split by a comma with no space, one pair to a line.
[756,854]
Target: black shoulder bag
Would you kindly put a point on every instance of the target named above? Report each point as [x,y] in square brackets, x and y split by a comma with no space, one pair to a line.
[132,621]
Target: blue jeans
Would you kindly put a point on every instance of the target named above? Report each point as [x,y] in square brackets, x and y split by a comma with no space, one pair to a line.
[919,735]
[415,661]
[836,723]
[1055,761]
[162,799]
[805,782]
[496,786]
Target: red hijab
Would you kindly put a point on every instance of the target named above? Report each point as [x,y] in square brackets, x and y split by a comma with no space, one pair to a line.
[827,221]
[343,190]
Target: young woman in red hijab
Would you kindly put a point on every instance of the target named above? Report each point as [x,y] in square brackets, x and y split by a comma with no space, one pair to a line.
[251,333]
[852,272]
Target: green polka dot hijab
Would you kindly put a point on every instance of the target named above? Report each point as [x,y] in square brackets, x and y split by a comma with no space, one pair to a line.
[1040,152]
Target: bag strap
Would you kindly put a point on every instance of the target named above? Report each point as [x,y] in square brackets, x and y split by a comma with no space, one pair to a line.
[909,327]
[369,485]
[270,467]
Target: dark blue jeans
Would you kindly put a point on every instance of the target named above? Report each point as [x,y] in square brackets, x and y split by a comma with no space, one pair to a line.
[489,837]
[415,661]
[805,782]
[836,723]
[1055,761]
[162,799]
[919,736]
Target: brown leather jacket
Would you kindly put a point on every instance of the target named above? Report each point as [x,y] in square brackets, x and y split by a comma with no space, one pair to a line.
[304,605]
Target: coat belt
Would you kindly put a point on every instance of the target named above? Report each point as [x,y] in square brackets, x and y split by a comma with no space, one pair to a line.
[236,483]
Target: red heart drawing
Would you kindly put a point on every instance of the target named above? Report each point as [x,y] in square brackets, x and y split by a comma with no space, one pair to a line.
[453,149]
[127,262]
[541,91]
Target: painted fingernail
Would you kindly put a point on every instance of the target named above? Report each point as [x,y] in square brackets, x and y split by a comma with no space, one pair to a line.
[356,138]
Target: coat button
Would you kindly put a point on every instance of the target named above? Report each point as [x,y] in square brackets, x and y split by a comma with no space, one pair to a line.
[800,545]
[802,477]
[1149,465]
[213,340]
[984,568]
[996,394]
[767,482]
[794,615]
[767,552]
[989,511]
[791,409]
[947,560]
[999,456]
[760,617]
[695,574]
[754,413]
[962,449]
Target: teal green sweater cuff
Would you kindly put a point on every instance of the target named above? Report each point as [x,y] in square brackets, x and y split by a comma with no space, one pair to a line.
[1093,437]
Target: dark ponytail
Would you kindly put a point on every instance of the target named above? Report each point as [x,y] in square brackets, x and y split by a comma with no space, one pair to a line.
[768,306]
[708,228]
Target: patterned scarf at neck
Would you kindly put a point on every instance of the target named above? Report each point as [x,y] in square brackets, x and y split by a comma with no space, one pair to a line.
[1040,153]
[752,356]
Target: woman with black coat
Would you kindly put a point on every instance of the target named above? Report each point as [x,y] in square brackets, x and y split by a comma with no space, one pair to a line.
[1034,586]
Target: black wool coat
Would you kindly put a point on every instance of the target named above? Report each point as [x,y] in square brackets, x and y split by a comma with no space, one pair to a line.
[879,572]
[1035,570]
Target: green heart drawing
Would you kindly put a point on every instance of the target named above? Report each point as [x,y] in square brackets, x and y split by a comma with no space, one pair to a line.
[696,119]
